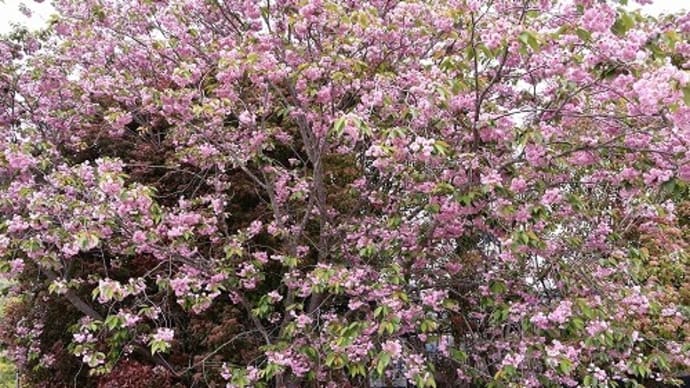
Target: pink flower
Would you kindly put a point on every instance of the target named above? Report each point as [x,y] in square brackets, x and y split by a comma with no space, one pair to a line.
[176,231]
[595,327]
[247,119]
[16,266]
[274,296]
[393,348]
[303,320]
[493,178]
[18,160]
[551,196]
[163,334]
[561,314]
[658,176]
[513,359]
[225,373]
[139,237]
[261,257]
[599,18]
[354,304]
[540,320]
[17,224]
[130,319]
[518,185]
[254,228]
[180,285]
[433,298]
[557,351]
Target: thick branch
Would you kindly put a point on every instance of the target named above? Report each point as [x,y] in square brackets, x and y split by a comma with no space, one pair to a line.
[73,298]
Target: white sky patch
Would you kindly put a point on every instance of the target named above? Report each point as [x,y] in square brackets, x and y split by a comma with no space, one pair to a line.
[659,7]
[10,13]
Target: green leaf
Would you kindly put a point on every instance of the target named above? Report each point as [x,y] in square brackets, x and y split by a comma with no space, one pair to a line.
[239,378]
[428,325]
[523,237]
[565,366]
[497,287]
[96,359]
[156,213]
[500,315]
[338,126]
[583,34]
[382,364]
[363,128]
[441,147]
[387,327]
[357,370]
[113,321]
[577,324]
[271,370]
[529,38]
[458,355]
[87,241]
[623,24]
[310,352]
[291,261]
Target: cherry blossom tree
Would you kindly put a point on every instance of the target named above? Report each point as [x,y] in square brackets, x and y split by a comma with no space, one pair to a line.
[318,193]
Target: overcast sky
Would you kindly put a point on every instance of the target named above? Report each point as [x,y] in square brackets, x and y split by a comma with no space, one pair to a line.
[10,13]
[666,6]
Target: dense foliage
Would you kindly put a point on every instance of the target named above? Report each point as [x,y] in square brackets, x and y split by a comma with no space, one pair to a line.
[329,192]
